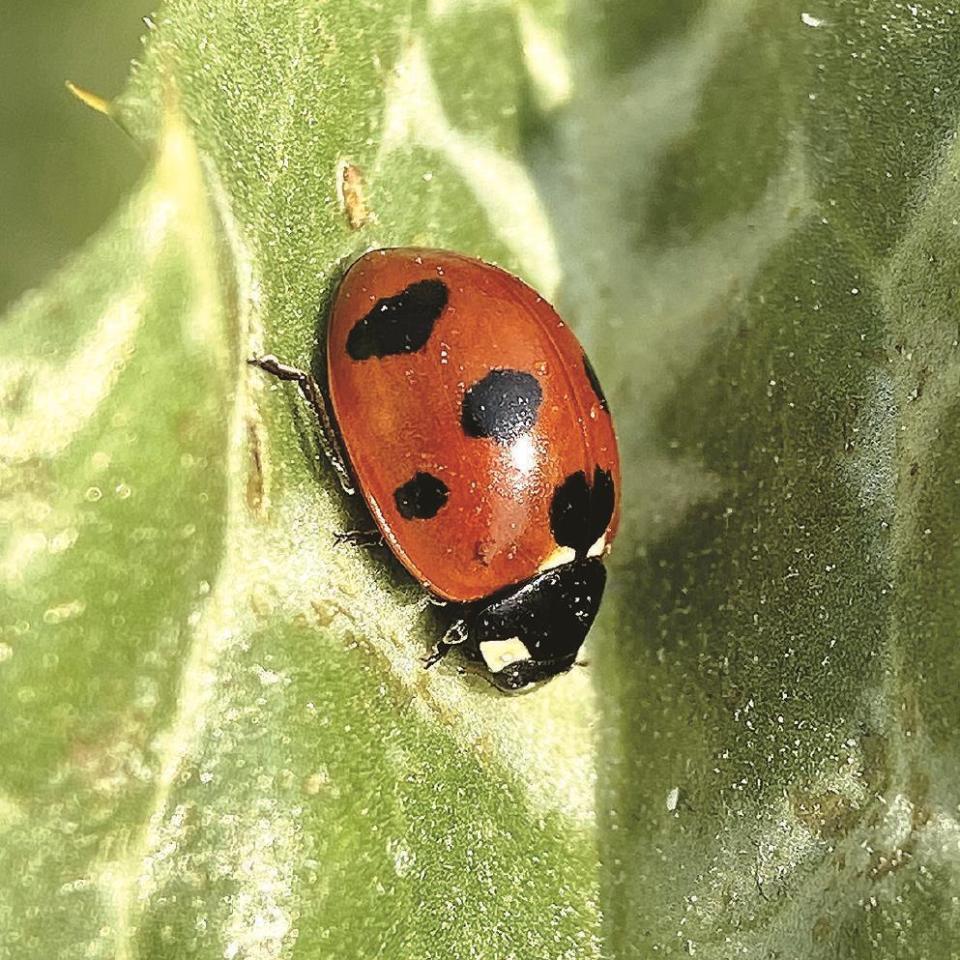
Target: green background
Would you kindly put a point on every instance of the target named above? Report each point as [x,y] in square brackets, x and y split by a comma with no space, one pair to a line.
[215,736]
[61,172]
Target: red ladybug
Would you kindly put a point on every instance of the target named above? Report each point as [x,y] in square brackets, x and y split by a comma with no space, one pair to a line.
[480,439]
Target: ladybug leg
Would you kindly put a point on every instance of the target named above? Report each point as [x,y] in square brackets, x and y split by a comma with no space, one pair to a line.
[314,396]
[431,600]
[457,634]
[360,538]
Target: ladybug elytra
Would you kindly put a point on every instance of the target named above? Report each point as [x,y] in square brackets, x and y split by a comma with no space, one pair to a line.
[474,427]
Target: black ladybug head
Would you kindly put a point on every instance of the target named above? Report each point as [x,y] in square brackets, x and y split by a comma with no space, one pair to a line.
[534,631]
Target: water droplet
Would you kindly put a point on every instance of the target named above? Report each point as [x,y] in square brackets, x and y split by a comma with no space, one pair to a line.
[64,611]
[316,782]
[63,541]
[403,857]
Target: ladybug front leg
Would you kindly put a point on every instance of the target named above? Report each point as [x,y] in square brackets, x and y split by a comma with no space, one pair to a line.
[314,396]
[456,635]
[360,538]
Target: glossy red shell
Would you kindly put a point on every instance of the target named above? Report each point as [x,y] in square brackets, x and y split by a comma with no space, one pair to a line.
[400,415]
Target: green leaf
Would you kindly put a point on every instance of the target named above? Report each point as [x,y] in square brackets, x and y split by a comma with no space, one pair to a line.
[218,736]
[216,739]
[770,286]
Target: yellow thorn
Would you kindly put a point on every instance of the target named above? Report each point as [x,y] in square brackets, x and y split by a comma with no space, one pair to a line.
[90,99]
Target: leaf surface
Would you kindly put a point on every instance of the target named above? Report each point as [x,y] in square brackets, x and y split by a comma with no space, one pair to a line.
[217,738]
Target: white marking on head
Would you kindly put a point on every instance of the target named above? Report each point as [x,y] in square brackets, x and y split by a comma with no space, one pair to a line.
[599,548]
[558,558]
[499,654]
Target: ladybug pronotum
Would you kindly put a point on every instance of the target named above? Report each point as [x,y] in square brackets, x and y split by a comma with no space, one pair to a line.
[472,423]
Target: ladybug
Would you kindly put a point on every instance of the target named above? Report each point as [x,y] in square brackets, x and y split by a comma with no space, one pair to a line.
[477,433]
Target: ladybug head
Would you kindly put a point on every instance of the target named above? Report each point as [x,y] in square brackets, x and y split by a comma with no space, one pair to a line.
[533,631]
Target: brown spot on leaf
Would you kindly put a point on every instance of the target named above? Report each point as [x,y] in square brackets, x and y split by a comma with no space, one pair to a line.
[256,483]
[351,192]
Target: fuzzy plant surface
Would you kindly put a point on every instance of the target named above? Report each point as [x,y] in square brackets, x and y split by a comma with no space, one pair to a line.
[216,736]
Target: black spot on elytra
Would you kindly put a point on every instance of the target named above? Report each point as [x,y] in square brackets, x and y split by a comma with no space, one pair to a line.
[421,497]
[594,382]
[502,406]
[399,324]
[580,512]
